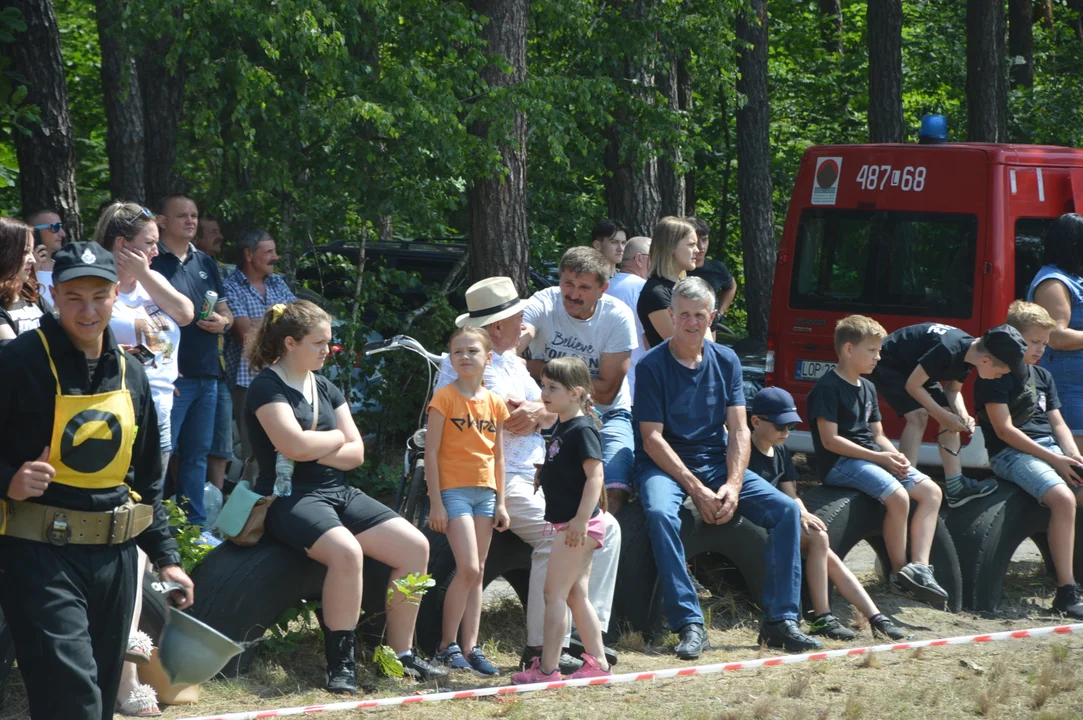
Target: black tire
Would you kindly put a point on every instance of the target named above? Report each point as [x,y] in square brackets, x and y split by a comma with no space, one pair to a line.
[155,608]
[416,495]
[242,591]
[7,654]
[637,598]
[509,558]
[987,532]
[852,516]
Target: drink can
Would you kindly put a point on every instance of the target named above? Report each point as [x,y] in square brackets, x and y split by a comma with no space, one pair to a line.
[209,301]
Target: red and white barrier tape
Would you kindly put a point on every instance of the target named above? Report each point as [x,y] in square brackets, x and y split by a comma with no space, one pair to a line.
[648,675]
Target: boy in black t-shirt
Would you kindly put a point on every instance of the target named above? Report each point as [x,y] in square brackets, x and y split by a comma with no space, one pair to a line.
[1032,446]
[772,415]
[921,373]
[852,452]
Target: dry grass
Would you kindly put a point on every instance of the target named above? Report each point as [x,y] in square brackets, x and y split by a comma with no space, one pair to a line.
[1022,679]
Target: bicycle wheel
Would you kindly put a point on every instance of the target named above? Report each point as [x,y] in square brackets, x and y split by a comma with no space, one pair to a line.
[417,495]
[400,494]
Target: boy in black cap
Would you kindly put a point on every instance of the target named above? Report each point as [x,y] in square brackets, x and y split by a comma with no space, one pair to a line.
[772,415]
[80,485]
[921,373]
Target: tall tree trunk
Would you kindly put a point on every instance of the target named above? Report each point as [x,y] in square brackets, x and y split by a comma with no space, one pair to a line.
[163,103]
[831,24]
[754,192]
[884,19]
[684,96]
[499,242]
[1075,16]
[632,188]
[124,139]
[46,154]
[1021,42]
[671,180]
[986,85]
[1043,12]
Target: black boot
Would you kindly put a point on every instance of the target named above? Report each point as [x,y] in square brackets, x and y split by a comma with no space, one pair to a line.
[341,666]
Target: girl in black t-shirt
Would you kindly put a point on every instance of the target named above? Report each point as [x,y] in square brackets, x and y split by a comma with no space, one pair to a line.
[574,486]
[333,523]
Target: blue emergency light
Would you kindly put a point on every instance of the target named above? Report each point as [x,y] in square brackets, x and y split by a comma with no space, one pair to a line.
[934,129]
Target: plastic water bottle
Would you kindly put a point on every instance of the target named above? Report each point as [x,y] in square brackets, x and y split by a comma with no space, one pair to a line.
[283,475]
[212,504]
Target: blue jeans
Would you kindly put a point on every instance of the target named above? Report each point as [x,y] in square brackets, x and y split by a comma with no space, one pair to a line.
[759,502]
[870,478]
[193,430]
[222,442]
[618,448]
[1031,473]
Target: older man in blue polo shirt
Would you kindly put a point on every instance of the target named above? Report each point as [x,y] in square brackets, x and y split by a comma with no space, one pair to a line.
[193,273]
[689,394]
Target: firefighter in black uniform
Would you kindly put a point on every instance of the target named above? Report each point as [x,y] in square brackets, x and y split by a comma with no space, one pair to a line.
[80,485]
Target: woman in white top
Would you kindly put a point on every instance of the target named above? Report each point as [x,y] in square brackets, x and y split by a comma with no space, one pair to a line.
[148,312]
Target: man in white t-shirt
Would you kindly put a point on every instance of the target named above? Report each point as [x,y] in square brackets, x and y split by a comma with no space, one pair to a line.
[494,305]
[626,286]
[579,319]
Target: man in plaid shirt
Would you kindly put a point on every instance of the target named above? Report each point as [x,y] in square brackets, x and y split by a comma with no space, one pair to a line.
[250,289]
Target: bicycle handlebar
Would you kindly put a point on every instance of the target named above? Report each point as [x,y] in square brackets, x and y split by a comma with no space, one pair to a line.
[402,342]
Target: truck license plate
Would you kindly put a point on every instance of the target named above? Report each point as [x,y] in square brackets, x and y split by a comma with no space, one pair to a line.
[814,369]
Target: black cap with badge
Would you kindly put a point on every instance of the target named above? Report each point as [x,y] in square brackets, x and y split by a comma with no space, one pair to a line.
[1006,344]
[83,259]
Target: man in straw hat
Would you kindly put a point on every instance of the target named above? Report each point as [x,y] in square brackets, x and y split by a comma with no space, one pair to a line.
[494,305]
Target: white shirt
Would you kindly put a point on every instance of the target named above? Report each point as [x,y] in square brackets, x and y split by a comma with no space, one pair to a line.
[611,329]
[45,279]
[138,320]
[507,376]
[626,288]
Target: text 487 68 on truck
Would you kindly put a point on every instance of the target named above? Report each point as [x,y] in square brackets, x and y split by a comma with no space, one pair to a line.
[907,234]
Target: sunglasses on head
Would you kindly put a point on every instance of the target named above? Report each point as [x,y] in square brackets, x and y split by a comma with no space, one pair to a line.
[53,227]
[146,213]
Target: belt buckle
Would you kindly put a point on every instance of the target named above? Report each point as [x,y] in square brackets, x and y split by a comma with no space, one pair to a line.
[59,532]
[119,530]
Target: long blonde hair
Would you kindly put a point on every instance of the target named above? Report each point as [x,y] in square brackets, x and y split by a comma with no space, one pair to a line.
[668,234]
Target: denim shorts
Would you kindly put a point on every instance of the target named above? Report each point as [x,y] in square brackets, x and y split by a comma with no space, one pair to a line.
[471,501]
[870,478]
[618,449]
[222,444]
[1032,474]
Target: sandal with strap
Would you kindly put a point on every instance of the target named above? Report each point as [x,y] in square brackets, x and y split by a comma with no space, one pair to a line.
[143,702]
[139,648]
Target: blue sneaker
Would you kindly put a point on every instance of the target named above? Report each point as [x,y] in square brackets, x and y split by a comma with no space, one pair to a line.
[452,657]
[480,664]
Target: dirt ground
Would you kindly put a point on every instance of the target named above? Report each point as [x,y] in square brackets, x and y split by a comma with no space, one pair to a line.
[1015,679]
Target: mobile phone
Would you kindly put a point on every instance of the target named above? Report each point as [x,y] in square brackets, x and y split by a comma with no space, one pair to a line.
[143,354]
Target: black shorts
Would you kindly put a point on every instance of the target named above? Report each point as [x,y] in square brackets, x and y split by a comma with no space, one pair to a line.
[892,387]
[302,518]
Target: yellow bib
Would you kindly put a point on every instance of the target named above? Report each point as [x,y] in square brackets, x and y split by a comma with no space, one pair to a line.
[93,435]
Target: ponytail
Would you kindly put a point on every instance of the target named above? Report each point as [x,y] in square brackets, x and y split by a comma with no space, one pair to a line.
[267,343]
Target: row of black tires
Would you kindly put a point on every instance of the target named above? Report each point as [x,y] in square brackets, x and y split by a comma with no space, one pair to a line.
[242,591]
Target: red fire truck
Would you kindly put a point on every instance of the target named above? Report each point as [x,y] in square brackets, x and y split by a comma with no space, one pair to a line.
[947,232]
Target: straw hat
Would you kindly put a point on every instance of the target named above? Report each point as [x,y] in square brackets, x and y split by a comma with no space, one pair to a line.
[490,300]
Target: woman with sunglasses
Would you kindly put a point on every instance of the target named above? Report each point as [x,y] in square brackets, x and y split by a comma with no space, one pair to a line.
[21,307]
[146,321]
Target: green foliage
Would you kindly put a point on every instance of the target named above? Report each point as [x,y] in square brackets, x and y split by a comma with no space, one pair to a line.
[15,114]
[290,627]
[189,543]
[388,661]
[412,587]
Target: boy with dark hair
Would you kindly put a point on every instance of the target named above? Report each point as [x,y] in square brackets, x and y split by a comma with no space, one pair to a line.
[1032,446]
[609,238]
[920,375]
[852,452]
[773,414]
